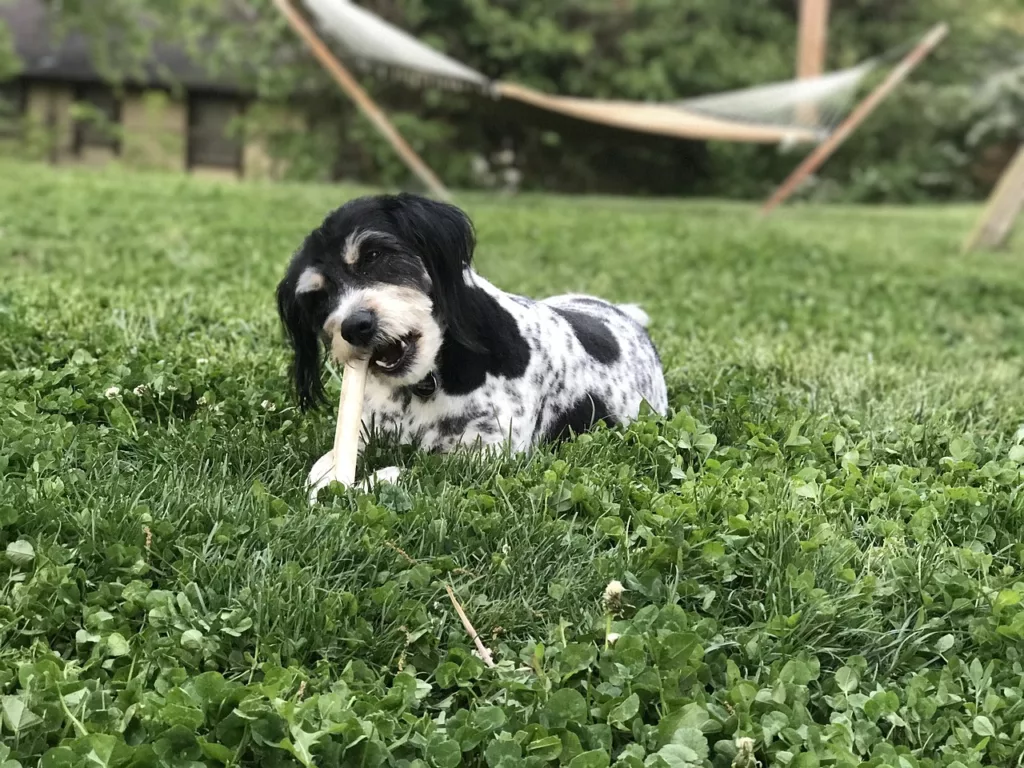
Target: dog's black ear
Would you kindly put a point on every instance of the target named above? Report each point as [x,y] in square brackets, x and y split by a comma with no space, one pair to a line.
[443,235]
[301,333]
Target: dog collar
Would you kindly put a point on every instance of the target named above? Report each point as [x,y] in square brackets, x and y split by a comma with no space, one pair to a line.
[426,387]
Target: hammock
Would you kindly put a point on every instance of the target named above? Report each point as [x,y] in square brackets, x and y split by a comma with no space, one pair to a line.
[788,112]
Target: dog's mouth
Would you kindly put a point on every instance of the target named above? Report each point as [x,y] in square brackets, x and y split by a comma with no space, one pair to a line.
[394,356]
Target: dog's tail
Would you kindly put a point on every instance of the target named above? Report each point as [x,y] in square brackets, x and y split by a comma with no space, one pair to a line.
[634,312]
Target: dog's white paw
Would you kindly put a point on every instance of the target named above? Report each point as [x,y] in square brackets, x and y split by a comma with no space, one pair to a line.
[322,474]
[386,475]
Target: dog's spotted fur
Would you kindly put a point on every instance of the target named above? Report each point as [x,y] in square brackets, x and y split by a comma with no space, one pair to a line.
[482,367]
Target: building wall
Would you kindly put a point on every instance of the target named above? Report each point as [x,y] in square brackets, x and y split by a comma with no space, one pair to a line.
[48,121]
[154,134]
[154,127]
[213,172]
[265,125]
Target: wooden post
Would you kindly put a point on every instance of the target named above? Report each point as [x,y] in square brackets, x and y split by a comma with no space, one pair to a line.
[863,110]
[362,99]
[1003,207]
[813,38]
[812,45]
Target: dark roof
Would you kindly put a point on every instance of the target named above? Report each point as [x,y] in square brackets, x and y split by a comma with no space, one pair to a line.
[67,56]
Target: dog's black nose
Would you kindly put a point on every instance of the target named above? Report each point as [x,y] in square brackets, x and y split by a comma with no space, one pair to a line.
[359,327]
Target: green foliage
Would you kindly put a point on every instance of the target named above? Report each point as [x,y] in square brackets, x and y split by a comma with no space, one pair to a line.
[821,545]
[930,142]
[96,120]
[998,110]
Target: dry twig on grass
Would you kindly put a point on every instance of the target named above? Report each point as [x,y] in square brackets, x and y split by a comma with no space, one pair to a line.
[482,649]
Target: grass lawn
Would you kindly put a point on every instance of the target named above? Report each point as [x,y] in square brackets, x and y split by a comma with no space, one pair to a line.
[822,547]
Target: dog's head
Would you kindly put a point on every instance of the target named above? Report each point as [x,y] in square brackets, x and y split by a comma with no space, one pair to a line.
[383,277]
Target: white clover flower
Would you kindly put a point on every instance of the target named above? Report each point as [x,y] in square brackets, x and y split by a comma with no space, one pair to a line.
[112,392]
[201,361]
[613,594]
[745,754]
[141,390]
[268,406]
[612,637]
[202,400]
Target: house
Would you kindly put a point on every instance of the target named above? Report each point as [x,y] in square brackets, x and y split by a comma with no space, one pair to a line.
[175,117]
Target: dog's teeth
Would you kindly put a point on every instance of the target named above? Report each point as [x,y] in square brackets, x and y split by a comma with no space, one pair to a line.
[386,364]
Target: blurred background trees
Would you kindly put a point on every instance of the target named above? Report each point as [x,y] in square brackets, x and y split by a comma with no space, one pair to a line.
[944,136]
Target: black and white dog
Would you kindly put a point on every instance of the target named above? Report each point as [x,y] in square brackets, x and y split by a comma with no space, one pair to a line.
[454,360]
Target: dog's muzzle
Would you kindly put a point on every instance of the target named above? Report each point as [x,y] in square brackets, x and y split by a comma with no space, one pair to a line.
[363,333]
[359,328]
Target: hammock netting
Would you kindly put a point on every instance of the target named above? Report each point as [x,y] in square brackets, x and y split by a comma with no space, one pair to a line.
[788,112]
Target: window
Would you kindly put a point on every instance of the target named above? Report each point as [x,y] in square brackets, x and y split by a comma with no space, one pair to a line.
[12,106]
[99,114]
[212,141]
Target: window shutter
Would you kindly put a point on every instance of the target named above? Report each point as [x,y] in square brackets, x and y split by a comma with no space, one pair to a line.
[211,140]
[12,107]
[90,132]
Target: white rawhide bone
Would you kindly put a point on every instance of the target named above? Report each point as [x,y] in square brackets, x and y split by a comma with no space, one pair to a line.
[340,463]
[350,419]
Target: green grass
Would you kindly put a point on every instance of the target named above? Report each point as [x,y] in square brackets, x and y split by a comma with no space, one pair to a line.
[821,545]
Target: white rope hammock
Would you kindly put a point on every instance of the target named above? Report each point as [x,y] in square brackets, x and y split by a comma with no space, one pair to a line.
[785,103]
[794,111]
[369,38]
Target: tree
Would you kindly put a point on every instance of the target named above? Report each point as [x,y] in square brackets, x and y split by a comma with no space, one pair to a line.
[637,49]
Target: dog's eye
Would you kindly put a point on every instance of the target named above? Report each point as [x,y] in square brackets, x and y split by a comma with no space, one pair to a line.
[373,253]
